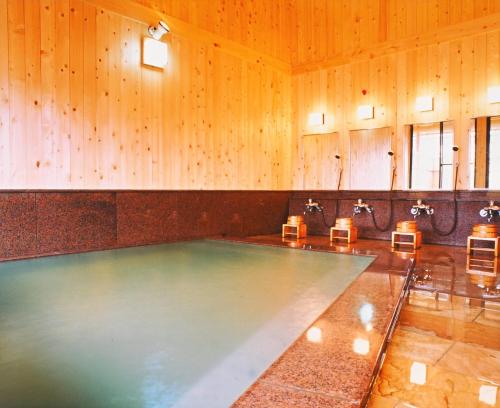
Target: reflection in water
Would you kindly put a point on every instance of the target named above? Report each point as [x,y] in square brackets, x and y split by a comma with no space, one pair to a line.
[488,394]
[418,373]
[361,346]
[314,335]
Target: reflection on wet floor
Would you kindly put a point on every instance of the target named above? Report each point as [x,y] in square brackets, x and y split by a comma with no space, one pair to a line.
[446,349]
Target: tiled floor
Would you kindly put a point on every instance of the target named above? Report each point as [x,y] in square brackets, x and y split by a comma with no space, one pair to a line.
[444,353]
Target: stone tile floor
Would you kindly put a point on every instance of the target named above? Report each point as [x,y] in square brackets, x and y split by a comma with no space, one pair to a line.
[445,352]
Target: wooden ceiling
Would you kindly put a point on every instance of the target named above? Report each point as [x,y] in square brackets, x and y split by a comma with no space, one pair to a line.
[312,33]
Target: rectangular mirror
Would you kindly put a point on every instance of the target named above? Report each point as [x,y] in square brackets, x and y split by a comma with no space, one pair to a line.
[370,164]
[431,156]
[321,169]
[485,152]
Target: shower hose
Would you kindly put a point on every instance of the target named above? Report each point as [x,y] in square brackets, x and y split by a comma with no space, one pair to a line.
[455,212]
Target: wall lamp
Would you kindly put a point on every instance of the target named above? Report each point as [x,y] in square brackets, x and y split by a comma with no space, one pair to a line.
[424,103]
[494,94]
[159,30]
[366,112]
[154,51]
[316,119]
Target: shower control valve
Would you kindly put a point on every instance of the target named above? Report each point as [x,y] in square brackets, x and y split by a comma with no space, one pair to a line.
[312,207]
[420,208]
[490,211]
[361,206]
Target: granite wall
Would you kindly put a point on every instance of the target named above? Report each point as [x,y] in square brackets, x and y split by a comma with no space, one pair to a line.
[36,223]
[469,204]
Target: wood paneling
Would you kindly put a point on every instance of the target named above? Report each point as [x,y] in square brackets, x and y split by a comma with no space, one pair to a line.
[368,157]
[261,25]
[338,31]
[78,110]
[481,155]
[321,168]
[456,73]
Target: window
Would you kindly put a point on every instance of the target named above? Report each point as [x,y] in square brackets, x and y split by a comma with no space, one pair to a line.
[494,154]
[485,147]
[431,156]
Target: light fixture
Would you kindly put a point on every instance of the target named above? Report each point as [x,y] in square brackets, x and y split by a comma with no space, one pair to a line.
[158,31]
[424,103]
[361,346]
[365,112]
[488,394]
[314,334]
[154,53]
[494,94]
[316,119]
[418,373]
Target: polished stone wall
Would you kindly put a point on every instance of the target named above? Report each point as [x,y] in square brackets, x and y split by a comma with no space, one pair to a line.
[40,223]
[36,223]
[469,204]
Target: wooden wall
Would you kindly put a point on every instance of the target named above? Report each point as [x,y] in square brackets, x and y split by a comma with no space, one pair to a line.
[77,109]
[321,168]
[340,29]
[454,64]
[262,25]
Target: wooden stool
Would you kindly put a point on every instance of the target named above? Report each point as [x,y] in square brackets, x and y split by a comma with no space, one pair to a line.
[495,249]
[416,239]
[486,233]
[344,225]
[350,237]
[482,265]
[299,230]
[408,229]
[295,226]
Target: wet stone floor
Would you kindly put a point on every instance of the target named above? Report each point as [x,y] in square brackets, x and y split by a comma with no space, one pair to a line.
[445,352]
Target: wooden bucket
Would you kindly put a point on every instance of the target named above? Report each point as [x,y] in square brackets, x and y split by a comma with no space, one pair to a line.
[295,220]
[406,226]
[343,222]
[484,231]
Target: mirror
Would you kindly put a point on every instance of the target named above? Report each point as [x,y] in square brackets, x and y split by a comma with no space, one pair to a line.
[370,165]
[484,159]
[430,152]
[321,167]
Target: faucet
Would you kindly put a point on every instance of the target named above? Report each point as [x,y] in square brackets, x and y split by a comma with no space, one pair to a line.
[313,207]
[359,206]
[421,208]
[490,211]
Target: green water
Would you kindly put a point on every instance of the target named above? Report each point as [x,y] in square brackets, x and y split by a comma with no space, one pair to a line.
[185,324]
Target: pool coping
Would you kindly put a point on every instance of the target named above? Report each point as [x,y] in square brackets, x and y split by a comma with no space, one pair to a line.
[332,373]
